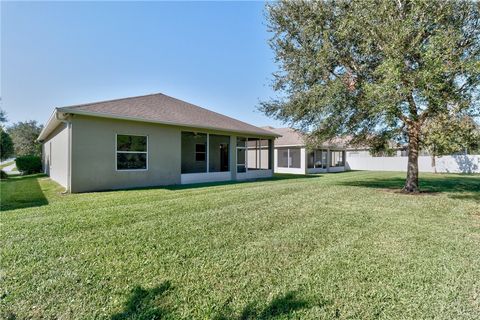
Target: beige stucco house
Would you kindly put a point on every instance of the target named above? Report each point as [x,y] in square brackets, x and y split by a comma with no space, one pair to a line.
[150,140]
[291,154]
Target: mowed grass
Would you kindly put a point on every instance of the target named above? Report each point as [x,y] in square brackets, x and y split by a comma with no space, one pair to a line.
[329,246]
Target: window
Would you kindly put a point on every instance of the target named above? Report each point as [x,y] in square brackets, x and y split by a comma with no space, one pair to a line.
[321,159]
[241,154]
[132,152]
[311,160]
[218,153]
[317,159]
[282,160]
[194,154]
[258,154]
[265,154]
[294,158]
[288,158]
[336,159]
[200,152]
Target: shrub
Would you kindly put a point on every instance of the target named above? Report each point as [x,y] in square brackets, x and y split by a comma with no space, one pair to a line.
[29,164]
[3,175]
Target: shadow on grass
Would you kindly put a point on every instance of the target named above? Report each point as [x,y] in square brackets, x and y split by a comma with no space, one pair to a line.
[276,177]
[145,304]
[22,192]
[281,305]
[458,187]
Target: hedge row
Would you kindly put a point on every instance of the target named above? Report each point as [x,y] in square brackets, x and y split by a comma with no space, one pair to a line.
[29,164]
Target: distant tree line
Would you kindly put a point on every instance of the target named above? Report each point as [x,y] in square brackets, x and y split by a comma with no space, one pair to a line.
[19,139]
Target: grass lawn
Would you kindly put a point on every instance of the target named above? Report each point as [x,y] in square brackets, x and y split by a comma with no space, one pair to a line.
[328,246]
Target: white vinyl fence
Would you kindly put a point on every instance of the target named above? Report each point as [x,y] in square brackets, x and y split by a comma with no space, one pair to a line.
[447,164]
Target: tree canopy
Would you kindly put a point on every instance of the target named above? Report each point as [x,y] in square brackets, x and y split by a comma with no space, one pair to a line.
[374,67]
[24,136]
[3,116]
[6,144]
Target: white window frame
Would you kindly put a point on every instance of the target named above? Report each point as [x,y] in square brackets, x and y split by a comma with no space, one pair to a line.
[198,152]
[258,148]
[245,149]
[332,157]
[289,158]
[117,152]
[315,159]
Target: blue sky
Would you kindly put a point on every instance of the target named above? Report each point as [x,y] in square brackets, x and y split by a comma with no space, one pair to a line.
[213,54]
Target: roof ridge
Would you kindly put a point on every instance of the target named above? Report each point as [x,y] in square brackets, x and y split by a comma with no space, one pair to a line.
[112,100]
[220,114]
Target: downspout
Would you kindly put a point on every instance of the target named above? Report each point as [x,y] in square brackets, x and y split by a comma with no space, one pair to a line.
[68,123]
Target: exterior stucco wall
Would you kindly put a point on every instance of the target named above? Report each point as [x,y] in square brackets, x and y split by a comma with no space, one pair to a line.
[94,156]
[55,155]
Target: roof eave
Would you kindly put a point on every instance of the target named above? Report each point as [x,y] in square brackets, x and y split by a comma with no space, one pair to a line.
[51,124]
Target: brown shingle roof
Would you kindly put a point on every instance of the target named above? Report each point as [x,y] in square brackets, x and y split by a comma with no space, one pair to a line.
[289,137]
[292,137]
[161,108]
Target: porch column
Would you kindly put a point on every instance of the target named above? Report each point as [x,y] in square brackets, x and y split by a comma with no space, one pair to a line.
[305,152]
[233,157]
[328,159]
[271,154]
[207,154]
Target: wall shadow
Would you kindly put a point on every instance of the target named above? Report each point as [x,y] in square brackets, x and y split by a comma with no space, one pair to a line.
[465,163]
[458,187]
[280,305]
[22,192]
[145,304]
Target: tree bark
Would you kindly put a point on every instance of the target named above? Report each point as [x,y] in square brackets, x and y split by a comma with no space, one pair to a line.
[411,183]
[434,163]
[433,153]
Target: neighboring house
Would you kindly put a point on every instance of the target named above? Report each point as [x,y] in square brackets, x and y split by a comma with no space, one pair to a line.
[292,155]
[150,140]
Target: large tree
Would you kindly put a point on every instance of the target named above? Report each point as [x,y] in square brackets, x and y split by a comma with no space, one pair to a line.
[374,67]
[24,136]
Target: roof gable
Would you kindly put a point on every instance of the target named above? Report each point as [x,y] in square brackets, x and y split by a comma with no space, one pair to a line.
[289,137]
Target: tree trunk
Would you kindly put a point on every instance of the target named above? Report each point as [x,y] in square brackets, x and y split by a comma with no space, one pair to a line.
[434,163]
[433,152]
[411,183]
